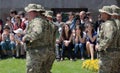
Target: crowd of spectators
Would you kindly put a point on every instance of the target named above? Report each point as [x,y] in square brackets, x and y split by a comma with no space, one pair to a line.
[76,37]
[11,32]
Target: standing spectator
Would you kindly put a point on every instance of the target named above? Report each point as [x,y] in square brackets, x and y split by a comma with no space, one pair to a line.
[98,23]
[59,22]
[71,20]
[77,23]
[9,24]
[89,15]
[82,15]
[91,40]
[13,13]
[19,23]
[22,15]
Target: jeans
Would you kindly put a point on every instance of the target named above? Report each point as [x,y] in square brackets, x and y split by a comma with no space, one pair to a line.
[66,48]
[81,47]
[57,50]
[7,45]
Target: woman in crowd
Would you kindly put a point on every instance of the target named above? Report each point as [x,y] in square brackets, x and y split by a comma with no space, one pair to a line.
[19,23]
[79,41]
[91,39]
[66,37]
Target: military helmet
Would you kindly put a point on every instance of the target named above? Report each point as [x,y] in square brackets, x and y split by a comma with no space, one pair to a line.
[34,7]
[48,13]
[115,10]
[106,9]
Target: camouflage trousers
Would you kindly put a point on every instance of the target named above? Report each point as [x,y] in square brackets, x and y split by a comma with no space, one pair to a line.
[109,62]
[39,60]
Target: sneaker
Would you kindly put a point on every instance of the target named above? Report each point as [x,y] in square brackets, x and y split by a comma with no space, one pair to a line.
[71,59]
[61,59]
[82,59]
[13,57]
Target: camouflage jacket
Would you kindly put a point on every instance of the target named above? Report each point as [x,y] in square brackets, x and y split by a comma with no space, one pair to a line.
[38,32]
[118,33]
[107,36]
[52,34]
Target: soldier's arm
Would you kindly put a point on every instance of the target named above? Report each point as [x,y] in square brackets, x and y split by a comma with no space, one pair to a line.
[36,31]
[106,36]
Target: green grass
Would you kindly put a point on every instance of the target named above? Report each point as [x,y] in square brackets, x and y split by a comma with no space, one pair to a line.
[12,66]
[18,66]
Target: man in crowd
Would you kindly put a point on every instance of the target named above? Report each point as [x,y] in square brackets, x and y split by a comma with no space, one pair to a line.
[59,24]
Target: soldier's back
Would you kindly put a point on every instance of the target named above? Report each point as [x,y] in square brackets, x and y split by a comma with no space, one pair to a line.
[41,32]
[118,32]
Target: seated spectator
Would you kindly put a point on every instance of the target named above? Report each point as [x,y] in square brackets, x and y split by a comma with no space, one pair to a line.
[91,40]
[79,41]
[7,42]
[1,25]
[20,46]
[66,38]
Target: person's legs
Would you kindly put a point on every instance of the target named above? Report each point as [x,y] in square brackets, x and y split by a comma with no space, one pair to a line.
[12,46]
[17,50]
[63,51]
[82,50]
[88,48]
[69,47]
[57,51]
[4,47]
[92,51]
[76,49]
[22,49]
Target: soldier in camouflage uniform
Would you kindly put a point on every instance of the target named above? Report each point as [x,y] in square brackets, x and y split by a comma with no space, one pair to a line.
[49,16]
[115,16]
[40,57]
[107,42]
